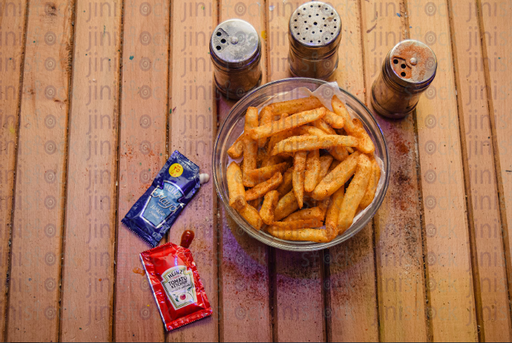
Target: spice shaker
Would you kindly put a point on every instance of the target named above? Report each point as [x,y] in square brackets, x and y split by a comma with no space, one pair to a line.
[314,34]
[235,50]
[407,71]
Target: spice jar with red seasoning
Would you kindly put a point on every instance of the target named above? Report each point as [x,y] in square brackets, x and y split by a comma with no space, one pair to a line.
[407,71]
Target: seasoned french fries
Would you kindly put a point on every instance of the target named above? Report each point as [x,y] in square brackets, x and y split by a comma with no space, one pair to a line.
[286,206]
[235,187]
[298,157]
[372,186]
[312,170]
[296,105]
[263,188]
[268,208]
[353,127]
[299,168]
[305,235]
[355,193]
[287,184]
[237,149]
[334,120]
[307,213]
[251,214]
[308,143]
[287,123]
[255,176]
[298,224]
[336,178]
[331,218]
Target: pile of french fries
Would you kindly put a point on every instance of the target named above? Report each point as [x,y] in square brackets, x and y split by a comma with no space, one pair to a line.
[298,157]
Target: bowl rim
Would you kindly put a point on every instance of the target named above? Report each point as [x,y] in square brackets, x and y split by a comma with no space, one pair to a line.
[297,246]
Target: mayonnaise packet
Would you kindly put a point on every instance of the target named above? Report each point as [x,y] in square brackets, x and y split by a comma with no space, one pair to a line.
[172,189]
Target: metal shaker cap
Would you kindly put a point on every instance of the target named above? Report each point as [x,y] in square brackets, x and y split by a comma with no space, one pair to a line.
[235,44]
[411,64]
[315,29]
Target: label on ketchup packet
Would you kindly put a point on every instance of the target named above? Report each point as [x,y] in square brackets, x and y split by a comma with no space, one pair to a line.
[177,288]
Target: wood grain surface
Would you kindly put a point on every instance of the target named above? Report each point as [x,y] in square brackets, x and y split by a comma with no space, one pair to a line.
[96,95]
[88,271]
[41,172]
[192,130]
[398,234]
[13,23]
[449,280]
[142,152]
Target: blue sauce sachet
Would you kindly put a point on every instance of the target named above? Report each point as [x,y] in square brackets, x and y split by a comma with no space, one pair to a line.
[172,189]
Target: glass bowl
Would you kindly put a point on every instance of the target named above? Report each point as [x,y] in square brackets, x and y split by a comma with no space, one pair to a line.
[233,126]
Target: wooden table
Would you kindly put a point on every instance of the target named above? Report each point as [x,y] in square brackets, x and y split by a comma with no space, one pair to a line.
[95,95]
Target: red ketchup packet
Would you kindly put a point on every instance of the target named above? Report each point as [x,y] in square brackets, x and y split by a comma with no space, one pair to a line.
[177,288]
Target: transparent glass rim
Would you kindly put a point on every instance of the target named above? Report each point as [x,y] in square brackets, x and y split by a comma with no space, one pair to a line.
[219,170]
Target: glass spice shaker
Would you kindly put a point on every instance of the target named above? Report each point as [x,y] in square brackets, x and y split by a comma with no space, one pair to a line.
[235,50]
[407,71]
[314,35]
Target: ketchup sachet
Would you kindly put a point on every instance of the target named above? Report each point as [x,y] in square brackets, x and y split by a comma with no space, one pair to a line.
[177,288]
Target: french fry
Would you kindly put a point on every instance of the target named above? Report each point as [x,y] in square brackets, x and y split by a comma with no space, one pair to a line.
[308,143]
[334,120]
[237,149]
[305,235]
[251,118]
[272,160]
[255,176]
[263,188]
[353,127]
[372,186]
[266,118]
[336,178]
[354,193]
[325,162]
[235,187]
[340,152]
[251,214]
[286,186]
[287,123]
[322,125]
[299,167]
[255,203]
[269,205]
[312,170]
[307,213]
[365,142]
[333,165]
[250,161]
[286,205]
[294,106]
[333,211]
[298,224]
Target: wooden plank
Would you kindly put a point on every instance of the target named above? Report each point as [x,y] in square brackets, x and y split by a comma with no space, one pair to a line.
[494,19]
[142,152]
[192,131]
[88,272]
[449,280]
[398,238]
[352,293]
[299,298]
[244,287]
[12,26]
[492,302]
[38,216]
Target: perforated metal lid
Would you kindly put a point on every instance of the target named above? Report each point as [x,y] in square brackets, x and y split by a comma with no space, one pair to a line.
[315,27]
[412,62]
[235,44]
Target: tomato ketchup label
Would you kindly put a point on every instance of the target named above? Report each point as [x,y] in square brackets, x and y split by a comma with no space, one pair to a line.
[177,288]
